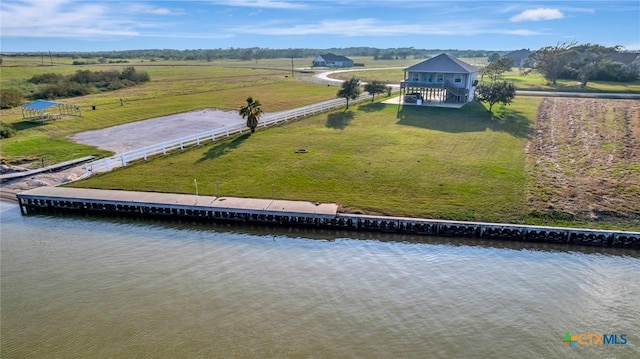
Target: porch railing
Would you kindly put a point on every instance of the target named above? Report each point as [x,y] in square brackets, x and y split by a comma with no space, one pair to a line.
[421,84]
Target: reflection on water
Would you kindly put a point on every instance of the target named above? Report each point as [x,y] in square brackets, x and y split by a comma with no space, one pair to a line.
[75,287]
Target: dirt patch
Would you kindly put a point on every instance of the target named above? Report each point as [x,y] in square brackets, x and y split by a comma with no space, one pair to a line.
[140,134]
[9,189]
[583,158]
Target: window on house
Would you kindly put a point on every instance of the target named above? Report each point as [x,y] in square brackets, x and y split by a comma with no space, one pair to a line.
[457,78]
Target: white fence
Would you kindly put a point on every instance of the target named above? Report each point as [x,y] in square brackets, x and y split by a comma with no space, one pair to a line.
[123,159]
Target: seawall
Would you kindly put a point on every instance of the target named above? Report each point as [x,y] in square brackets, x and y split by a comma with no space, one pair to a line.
[296,213]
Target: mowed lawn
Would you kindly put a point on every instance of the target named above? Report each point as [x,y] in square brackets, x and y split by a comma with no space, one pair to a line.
[373,158]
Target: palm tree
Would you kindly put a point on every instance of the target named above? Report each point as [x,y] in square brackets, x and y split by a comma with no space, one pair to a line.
[350,90]
[252,112]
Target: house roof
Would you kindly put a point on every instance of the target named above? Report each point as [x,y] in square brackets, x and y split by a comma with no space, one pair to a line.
[626,58]
[443,63]
[332,58]
[40,105]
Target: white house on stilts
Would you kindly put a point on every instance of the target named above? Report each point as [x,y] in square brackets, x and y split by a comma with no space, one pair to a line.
[440,81]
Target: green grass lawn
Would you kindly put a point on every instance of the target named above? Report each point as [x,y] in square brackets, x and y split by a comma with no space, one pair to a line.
[373,158]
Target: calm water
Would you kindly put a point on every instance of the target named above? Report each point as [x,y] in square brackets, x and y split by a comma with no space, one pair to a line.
[86,288]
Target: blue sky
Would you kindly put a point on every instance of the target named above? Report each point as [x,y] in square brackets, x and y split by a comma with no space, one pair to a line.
[85,25]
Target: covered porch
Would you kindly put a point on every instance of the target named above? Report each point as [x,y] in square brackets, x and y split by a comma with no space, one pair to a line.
[434,94]
[427,102]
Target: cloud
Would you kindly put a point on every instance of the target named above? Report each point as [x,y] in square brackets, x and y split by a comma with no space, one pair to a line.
[265,4]
[137,8]
[78,19]
[373,27]
[538,15]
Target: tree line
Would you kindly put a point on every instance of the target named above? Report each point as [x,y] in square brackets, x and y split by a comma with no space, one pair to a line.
[256,53]
[584,63]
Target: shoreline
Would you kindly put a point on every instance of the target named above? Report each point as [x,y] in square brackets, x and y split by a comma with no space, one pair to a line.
[8,196]
[9,191]
[298,213]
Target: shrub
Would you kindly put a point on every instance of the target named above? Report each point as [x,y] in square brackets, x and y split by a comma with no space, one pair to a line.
[10,98]
[83,82]
[618,72]
[130,73]
[6,130]
[63,89]
[93,62]
[48,78]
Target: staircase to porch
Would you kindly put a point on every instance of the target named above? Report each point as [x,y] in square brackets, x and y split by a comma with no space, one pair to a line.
[455,94]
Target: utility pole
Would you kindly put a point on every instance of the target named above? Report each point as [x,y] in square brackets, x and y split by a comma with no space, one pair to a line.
[291,65]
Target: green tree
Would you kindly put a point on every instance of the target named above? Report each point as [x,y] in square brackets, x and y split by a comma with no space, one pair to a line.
[590,60]
[495,92]
[375,87]
[550,61]
[350,90]
[252,112]
[496,68]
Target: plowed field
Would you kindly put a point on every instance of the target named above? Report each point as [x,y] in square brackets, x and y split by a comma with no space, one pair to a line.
[583,159]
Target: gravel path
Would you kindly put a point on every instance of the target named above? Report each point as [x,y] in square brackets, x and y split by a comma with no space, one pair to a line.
[140,134]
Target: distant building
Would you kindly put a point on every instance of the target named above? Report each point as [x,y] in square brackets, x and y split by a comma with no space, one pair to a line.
[331,60]
[628,59]
[442,80]
[519,58]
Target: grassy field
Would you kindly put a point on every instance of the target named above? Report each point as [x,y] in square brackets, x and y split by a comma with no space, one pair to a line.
[375,158]
[172,89]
